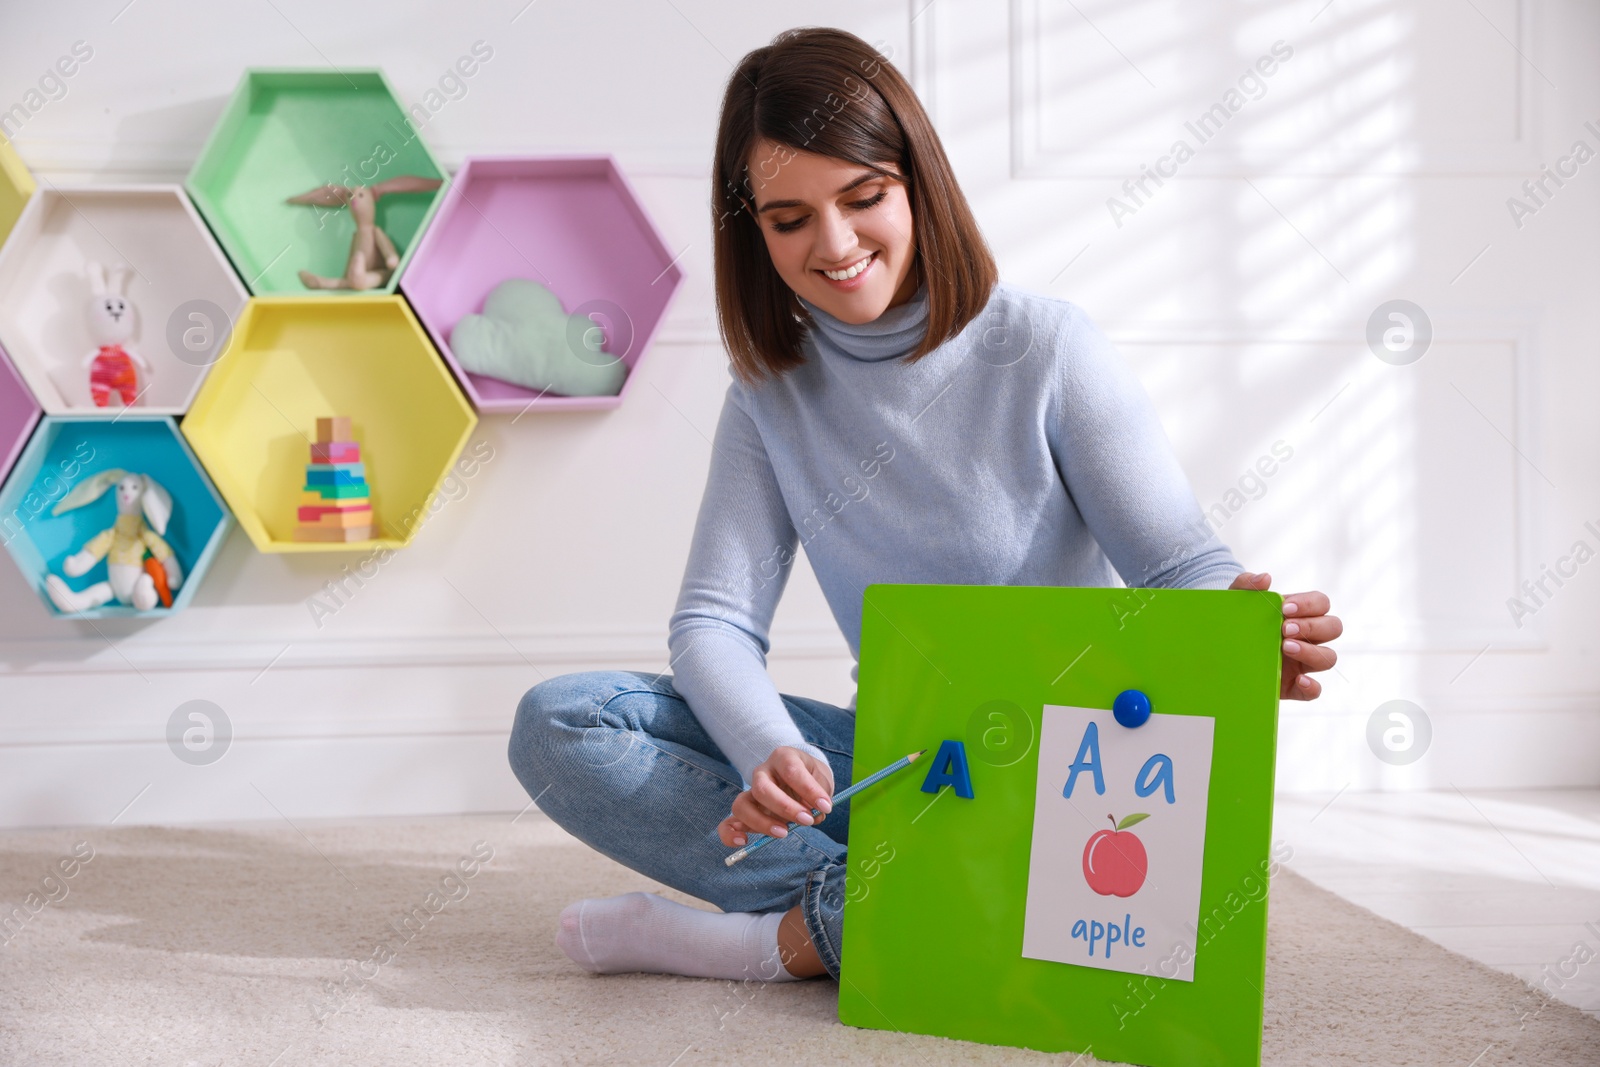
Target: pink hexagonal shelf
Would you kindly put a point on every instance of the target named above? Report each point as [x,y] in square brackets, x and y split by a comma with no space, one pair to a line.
[183,292]
[19,413]
[571,223]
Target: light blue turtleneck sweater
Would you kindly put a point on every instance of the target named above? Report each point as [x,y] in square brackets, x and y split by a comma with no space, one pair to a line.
[1021,452]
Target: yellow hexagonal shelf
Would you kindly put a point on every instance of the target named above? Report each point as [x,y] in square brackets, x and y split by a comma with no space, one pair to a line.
[16,185]
[294,360]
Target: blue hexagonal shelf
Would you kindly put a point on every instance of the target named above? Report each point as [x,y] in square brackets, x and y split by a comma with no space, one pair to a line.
[64,451]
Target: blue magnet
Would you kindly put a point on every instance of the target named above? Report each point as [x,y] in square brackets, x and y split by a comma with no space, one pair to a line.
[1131,708]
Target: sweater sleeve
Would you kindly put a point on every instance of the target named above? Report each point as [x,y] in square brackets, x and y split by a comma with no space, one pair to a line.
[739,562]
[1121,471]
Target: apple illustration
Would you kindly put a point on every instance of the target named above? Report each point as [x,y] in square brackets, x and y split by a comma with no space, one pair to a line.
[1114,861]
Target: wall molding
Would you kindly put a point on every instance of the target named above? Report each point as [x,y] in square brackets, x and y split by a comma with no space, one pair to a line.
[1030,158]
[1516,328]
[566,645]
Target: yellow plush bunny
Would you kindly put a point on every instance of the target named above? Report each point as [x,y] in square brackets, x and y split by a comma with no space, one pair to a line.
[123,545]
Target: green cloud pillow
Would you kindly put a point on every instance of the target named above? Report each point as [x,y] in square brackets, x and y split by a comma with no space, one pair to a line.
[525,337]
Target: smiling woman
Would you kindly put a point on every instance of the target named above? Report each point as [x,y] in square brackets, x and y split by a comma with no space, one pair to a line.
[865,322]
[825,146]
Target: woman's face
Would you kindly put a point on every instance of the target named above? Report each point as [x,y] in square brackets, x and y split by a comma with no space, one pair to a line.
[820,216]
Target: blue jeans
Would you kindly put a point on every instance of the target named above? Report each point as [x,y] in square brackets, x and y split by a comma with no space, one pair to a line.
[619,761]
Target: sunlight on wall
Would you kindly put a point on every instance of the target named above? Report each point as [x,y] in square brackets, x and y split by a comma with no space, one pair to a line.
[1292,217]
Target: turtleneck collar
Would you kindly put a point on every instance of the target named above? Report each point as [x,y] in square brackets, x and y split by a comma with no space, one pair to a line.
[892,334]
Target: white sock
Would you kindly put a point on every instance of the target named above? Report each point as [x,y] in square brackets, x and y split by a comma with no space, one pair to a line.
[646,932]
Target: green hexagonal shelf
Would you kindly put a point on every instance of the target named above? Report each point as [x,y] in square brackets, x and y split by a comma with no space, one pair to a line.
[293,360]
[287,131]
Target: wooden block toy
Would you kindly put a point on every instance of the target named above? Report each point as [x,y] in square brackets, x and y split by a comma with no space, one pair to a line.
[335,501]
[335,517]
[335,452]
[334,428]
[368,358]
[344,494]
[341,520]
[306,532]
[335,474]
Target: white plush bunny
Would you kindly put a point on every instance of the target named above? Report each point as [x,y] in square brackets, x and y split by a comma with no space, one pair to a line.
[131,578]
[113,368]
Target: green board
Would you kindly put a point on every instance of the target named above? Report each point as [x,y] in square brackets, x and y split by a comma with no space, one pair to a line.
[938,885]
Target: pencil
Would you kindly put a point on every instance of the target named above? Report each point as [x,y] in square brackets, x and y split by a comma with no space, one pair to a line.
[843,794]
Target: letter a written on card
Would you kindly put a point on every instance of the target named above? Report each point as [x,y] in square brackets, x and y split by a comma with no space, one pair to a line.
[1119,833]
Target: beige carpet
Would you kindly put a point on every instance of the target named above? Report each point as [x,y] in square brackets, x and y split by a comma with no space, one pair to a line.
[223,945]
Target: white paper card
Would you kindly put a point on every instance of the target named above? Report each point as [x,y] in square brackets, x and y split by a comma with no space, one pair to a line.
[1121,900]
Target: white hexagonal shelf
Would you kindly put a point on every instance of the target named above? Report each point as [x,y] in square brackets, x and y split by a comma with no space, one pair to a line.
[183,291]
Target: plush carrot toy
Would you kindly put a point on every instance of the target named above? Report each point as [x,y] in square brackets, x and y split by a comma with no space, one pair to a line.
[158,574]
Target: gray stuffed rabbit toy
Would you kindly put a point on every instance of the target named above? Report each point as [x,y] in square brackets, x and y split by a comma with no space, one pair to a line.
[373,256]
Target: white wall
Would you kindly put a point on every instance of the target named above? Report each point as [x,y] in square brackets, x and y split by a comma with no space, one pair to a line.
[1375,164]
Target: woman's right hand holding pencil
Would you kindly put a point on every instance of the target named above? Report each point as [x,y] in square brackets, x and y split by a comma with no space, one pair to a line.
[783,789]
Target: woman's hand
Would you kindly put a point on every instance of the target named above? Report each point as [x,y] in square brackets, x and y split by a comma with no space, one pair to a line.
[1307,627]
[783,789]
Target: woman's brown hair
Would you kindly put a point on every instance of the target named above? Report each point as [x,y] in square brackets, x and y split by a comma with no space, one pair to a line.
[827,91]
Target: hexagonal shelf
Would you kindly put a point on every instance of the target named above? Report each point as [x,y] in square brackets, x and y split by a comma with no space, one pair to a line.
[65,451]
[292,360]
[177,272]
[16,185]
[287,131]
[19,413]
[571,223]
